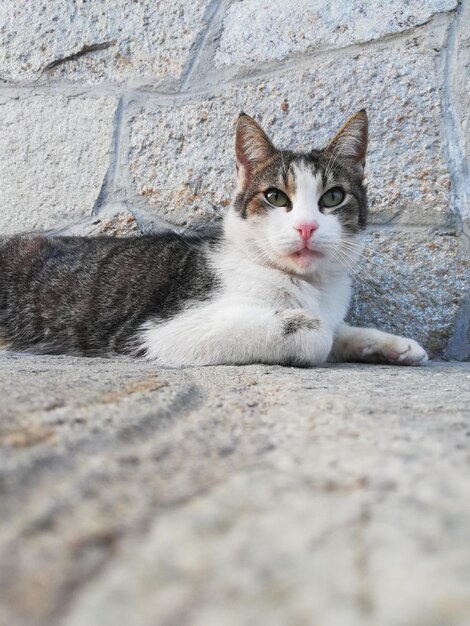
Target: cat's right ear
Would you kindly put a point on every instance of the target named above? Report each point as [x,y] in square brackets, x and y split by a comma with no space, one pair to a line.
[252,148]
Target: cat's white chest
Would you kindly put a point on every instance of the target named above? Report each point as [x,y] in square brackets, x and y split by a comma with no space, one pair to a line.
[326,297]
[248,281]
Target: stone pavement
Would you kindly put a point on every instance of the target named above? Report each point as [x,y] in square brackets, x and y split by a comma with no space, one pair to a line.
[233,496]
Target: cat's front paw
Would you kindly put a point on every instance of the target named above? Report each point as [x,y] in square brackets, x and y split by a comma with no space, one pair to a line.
[396,350]
[293,320]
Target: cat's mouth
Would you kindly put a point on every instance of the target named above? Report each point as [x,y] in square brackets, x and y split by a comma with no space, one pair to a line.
[305,256]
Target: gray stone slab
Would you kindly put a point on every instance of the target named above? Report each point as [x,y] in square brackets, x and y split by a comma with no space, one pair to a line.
[108,41]
[233,495]
[457,113]
[279,30]
[55,154]
[182,157]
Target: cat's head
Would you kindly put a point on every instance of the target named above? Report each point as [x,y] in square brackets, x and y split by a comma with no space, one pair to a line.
[299,211]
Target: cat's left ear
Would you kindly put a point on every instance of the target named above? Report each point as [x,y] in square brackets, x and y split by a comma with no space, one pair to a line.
[252,148]
[350,142]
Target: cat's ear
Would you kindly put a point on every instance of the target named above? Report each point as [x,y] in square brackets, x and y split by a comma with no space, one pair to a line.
[350,142]
[252,148]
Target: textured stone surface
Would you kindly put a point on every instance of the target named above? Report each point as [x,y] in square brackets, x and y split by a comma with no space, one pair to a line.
[143,40]
[458,111]
[182,158]
[278,30]
[413,284]
[55,154]
[233,495]
[119,225]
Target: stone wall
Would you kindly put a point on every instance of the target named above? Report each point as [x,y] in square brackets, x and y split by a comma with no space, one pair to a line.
[118,118]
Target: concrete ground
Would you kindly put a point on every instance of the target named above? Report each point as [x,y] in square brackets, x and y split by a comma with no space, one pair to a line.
[233,496]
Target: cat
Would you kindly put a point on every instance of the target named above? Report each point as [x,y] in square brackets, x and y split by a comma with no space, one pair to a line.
[269,286]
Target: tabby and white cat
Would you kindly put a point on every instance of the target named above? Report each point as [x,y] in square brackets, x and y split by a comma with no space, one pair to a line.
[270,286]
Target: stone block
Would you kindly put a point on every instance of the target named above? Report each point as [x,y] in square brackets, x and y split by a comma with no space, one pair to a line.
[457,112]
[122,224]
[278,29]
[182,157]
[413,284]
[55,155]
[97,41]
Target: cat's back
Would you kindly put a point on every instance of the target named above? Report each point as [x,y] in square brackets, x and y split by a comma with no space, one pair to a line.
[82,295]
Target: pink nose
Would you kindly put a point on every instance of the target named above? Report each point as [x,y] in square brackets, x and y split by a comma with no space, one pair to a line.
[306,230]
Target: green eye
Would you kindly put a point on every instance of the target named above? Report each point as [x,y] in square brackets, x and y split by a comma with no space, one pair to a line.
[333,197]
[276,197]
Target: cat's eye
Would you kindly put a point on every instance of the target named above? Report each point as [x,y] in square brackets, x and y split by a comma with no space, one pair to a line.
[331,198]
[276,197]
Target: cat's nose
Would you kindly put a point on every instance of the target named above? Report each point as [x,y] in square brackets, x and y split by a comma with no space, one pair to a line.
[306,230]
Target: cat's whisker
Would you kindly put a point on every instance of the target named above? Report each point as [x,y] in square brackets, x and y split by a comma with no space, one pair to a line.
[368,248]
[356,275]
[379,300]
[364,256]
[361,268]
[349,262]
